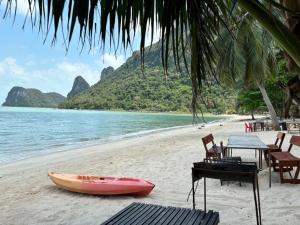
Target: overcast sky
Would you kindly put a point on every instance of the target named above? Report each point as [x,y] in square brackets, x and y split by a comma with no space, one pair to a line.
[28,62]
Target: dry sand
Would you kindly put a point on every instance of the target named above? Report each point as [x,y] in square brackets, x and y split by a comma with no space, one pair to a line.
[164,158]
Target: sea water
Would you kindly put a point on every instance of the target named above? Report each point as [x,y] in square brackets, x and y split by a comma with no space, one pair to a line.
[28,132]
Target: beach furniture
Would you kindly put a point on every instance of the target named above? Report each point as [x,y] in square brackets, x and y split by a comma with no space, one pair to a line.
[148,214]
[212,150]
[258,125]
[232,159]
[293,126]
[220,169]
[245,142]
[96,185]
[276,147]
[286,161]
[248,127]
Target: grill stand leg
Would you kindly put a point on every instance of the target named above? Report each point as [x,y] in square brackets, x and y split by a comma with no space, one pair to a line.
[256,200]
[193,189]
[204,194]
[257,186]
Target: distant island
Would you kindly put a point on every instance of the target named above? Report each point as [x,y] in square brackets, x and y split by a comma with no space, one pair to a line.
[30,97]
[21,97]
[130,88]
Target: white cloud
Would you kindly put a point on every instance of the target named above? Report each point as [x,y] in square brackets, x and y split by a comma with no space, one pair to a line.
[156,37]
[71,70]
[22,6]
[9,66]
[111,60]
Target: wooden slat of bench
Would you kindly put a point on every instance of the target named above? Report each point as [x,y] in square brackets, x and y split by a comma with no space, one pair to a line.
[179,217]
[183,217]
[153,209]
[214,219]
[284,156]
[123,216]
[173,215]
[200,217]
[147,214]
[137,214]
[170,210]
[124,211]
[165,213]
[207,217]
[154,216]
[189,217]
[194,218]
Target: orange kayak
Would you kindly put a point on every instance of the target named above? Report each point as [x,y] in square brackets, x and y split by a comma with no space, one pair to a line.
[97,185]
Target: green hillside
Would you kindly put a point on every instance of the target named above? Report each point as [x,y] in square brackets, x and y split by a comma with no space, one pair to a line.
[128,88]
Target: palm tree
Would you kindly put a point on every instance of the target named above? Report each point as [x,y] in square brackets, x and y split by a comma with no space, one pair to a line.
[190,22]
[285,36]
[245,52]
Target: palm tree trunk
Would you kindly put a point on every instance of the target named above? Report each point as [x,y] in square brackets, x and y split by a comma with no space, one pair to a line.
[252,115]
[269,105]
[285,38]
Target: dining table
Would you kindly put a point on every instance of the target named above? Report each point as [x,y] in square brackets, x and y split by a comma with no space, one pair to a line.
[247,142]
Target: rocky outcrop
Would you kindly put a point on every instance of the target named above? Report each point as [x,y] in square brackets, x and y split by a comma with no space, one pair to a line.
[106,72]
[22,97]
[79,86]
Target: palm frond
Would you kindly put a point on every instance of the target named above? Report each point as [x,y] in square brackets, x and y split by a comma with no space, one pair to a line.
[183,24]
[193,23]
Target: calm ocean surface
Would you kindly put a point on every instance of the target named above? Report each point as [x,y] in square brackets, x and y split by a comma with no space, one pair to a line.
[27,132]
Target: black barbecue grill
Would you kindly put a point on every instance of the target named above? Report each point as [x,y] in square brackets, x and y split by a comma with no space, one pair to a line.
[228,170]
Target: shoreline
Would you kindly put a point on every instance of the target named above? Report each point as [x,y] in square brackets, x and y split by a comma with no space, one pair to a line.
[122,111]
[132,137]
[163,158]
[95,142]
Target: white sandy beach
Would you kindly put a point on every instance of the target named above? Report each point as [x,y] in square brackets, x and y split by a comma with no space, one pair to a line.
[164,158]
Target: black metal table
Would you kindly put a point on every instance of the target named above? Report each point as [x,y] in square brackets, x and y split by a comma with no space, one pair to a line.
[146,214]
[247,142]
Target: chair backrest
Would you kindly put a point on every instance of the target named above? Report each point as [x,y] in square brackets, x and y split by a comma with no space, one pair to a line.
[248,125]
[208,139]
[295,140]
[280,136]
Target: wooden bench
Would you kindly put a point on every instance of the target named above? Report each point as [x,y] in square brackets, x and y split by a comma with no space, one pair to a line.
[148,214]
[285,162]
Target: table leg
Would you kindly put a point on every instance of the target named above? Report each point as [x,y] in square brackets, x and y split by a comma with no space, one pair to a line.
[259,166]
[270,175]
[260,159]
